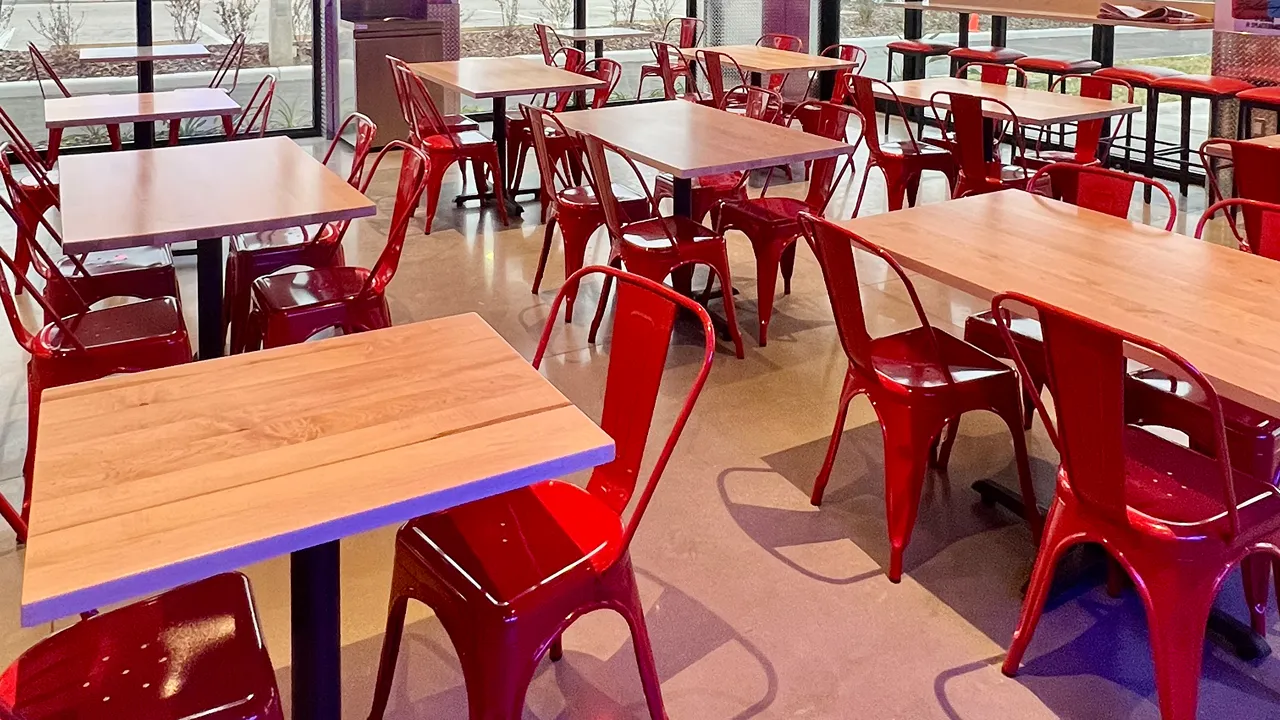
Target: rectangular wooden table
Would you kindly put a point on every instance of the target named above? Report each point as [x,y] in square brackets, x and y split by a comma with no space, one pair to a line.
[143,53]
[599,34]
[689,141]
[86,110]
[766,60]
[202,193]
[1222,151]
[1033,107]
[497,79]
[151,480]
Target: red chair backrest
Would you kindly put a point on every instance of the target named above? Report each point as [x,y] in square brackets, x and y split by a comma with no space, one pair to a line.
[600,177]
[1254,166]
[1261,224]
[994,73]
[758,103]
[779,41]
[606,69]
[40,65]
[644,312]
[418,107]
[840,87]
[546,33]
[715,66]
[413,180]
[366,131]
[833,245]
[553,170]
[966,115]
[862,93]
[1097,188]
[688,31]
[25,151]
[669,58]
[29,225]
[1085,365]
[1089,132]
[572,60]
[231,63]
[832,123]
[257,112]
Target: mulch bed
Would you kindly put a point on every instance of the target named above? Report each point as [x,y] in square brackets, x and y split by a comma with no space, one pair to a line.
[16,64]
[502,42]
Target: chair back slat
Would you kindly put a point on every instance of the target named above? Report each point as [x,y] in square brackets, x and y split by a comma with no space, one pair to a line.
[608,70]
[1261,224]
[409,189]
[230,64]
[256,114]
[43,69]
[1097,188]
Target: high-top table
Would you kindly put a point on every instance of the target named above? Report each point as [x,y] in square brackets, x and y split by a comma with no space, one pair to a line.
[497,79]
[155,479]
[599,34]
[87,110]
[143,53]
[203,193]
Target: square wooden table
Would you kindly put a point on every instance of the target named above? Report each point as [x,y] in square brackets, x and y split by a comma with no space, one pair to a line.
[143,53]
[689,140]
[497,79]
[86,110]
[202,193]
[155,479]
[599,34]
[1033,107]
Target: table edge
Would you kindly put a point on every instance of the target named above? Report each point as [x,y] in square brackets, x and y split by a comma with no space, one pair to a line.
[140,117]
[585,83]
[1121,109]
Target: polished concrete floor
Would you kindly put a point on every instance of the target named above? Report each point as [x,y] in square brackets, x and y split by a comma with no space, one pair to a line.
[760,605]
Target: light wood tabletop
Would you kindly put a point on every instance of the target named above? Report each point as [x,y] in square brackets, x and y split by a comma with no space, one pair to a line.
[690,140]
[1210,303]
[601,33]
[1223,151]
[501,77]
[1033,107]
[175,194]
[139,53]
[772,60]
[150,480]
[83,110]
[1084,12]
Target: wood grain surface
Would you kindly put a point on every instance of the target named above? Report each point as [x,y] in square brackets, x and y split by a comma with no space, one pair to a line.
[501,77]
[82,110]
[135,53]
[600,33]
[1033,107]
[772,60]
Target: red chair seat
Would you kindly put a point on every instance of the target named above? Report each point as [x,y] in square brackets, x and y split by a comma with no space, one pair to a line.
[908,149]
[1140,75]
[906,359]
[648,234]
[157,319]
[584,195]
[987,53]
[547,538]
[466,139]
[920,47]
[287,291]
[276,239]
[105,262]
[773,210]
[1260,95]
[460,123]
[1215,85]
[192,652]
[1053,65]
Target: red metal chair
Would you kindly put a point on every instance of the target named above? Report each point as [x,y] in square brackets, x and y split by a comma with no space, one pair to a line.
[689,32]
[1175,519]
[406,85]
[519,142]
[258,254]
[993,73]
[288,308]
[1261,224]
[918,381]
[572,206]
[230,64]
[193,652]
[1253,168]
[901,161]
[651,245]
[549,41]
[756,103]
[78,344]
[973,142]
[256,114]
[42,68]
[75,280]
[1091,147]
[39,187]
[444,146]
[508,575]
[779,41]
[671,67]
[839,87]
[772,224]
[715,67]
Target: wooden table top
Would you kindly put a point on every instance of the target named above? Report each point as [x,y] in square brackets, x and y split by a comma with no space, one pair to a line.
[155,479]
[600,33]
[500,77]
[137,107]
[1210,303]
[690,140]
[1033,107]
[192,192]
[1083,18]
[772,60]
[1223,151]
[136,53]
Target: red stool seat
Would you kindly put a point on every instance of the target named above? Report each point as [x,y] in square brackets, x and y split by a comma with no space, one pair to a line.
[920,47]
[1261,95]
[1202,85]
[1141,75]
[1056,66]
[987,53]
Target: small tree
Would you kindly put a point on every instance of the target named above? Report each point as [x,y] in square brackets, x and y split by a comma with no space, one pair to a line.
[557,12]
[59,28]
[236,16]
[510,10]
[186,19]
[302,21]
[6,14]
[660,10]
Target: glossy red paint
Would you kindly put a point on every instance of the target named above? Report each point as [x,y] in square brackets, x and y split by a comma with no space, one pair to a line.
[919,381]
[779,41]
[519,143]
[978,175]
[1261,224]
[256,114]
[1090,145]
[688,33]
[507,575]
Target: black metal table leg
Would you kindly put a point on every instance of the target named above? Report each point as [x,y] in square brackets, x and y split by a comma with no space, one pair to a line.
[757,79]
[209,295]
[999,30]
[144,132]
[1104,45]
[317,632]
[500,138]
[989,139]
[964,30]
[599,48]
[913,66]
[682,196]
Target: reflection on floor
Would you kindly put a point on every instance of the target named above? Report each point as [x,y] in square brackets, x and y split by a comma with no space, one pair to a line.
[759,604]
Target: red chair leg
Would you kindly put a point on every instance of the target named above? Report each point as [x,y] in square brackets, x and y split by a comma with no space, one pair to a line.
[1060,534]
[1011,412]
[34,392]
[720,265]
[1178,598]
[547,236]
[55,144]
[490,159]
[605,286]
[576,233]
[896,187]
[175,127]
[908,440]
[850,389]
[1255,571]
[633,612]
[401,590]
[435,181]
[113,134]
[768,256]
[497,667]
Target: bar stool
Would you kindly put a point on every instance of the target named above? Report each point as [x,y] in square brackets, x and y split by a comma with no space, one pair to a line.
[984,54]
[1055,68]
[1266,98]
[923,49]
[1213,88]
